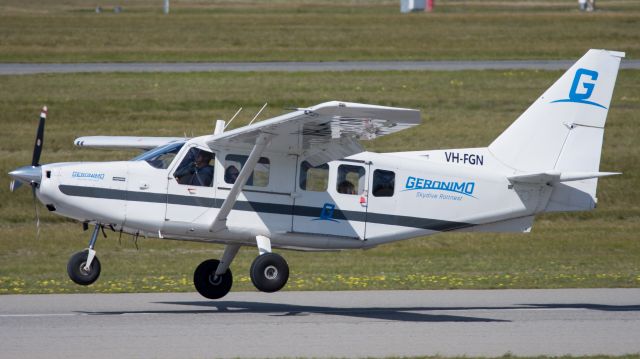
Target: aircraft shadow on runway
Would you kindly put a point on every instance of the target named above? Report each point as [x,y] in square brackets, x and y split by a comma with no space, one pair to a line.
[402,314]
[601,307]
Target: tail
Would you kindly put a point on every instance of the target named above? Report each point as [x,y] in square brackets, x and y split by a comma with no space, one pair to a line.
[560,135]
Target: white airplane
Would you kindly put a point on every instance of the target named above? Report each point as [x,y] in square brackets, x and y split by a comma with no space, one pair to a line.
[302,181]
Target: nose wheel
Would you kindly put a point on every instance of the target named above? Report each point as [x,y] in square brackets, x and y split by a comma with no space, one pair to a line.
[78,270]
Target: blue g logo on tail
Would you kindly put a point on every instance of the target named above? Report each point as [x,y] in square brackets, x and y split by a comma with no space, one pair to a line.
[580,94]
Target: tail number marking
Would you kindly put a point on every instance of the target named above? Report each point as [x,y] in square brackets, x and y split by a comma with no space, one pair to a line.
[465,158]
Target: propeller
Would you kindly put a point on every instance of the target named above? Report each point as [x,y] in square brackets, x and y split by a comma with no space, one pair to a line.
[32,174]
[37,147]
[37,211]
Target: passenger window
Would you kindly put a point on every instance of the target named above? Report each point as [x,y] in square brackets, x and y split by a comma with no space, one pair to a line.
[195,169]
[314,179]
[350,179]
[233,166]
[383,183]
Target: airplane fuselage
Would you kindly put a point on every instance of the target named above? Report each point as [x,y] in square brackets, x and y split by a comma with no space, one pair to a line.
[426,192]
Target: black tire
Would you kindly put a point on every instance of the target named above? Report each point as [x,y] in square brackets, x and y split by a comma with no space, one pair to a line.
[203,280]
[75,268]
[269,272]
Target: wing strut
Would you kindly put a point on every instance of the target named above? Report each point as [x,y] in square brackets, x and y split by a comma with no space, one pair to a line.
[220,222]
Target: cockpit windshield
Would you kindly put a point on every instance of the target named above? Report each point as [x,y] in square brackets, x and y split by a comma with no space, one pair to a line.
[160,157]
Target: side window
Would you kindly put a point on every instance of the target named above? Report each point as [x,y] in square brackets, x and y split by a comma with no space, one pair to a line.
[195,169]
[259,177]
[383,183]
[314,179]
[350,179]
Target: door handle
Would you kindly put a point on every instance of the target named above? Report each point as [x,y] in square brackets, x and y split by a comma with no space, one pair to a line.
[144,185]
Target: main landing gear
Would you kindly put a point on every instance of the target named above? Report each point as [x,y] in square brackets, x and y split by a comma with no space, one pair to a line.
[213,278]
[84,267]
[269,272]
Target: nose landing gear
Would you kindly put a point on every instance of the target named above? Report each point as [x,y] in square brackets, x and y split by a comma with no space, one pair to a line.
[84,267]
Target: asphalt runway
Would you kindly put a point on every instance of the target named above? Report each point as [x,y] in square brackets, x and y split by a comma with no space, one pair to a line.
[322,324]
[26,69]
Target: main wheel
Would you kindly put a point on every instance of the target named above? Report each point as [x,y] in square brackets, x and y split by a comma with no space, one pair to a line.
[269,272]
[206,282]
[76,271]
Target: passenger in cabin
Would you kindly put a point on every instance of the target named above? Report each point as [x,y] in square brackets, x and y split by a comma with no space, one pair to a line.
[231,174]
[346,187]
[198,172]
[203,175]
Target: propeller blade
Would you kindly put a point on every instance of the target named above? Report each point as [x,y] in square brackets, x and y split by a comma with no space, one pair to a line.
[37,148]
[35,207]
[14,185]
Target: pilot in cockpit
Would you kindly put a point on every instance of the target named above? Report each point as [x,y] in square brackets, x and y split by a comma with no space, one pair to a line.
[198,172]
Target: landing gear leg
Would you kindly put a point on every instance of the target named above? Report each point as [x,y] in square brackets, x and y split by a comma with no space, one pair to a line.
[269,271]
[213,278]
[84,267]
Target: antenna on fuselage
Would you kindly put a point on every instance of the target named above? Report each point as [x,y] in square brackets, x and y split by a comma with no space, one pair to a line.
[258,114]
[233,118]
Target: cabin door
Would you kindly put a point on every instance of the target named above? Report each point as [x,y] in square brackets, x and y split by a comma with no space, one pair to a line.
[331,199]
[191,193]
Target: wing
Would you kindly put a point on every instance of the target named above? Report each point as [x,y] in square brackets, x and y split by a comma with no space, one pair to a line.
[124,142]
[322,133]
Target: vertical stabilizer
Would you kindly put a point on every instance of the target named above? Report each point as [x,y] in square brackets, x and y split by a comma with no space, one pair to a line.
[563,129]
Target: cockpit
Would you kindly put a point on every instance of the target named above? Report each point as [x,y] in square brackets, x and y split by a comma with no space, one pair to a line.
[161,157]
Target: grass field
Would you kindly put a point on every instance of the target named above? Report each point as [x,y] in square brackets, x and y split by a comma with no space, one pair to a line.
[460,109]
[509,356]
[71,31]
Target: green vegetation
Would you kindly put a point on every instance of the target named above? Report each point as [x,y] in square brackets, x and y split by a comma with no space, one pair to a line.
[460,109]
[509,356]
[71,31]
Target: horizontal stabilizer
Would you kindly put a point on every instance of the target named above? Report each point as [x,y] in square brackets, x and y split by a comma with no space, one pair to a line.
[124,142]
[556,176]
